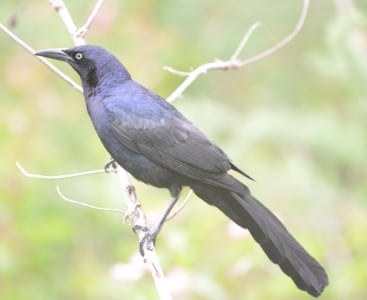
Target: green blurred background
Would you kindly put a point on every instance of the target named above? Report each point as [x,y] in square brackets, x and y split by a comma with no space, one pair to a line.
[295,121]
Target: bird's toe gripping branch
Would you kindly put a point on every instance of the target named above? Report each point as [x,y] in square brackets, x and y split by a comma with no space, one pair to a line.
[148,239]
[110,165]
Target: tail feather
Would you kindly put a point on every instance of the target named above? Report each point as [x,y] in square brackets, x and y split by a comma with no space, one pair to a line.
[278,244]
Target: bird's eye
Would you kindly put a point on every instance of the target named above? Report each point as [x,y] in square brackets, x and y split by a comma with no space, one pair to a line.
[78,56]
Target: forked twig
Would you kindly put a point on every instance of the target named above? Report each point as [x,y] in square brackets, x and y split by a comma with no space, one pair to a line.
[65,16]
[285,41]
[82,31]
[233,62]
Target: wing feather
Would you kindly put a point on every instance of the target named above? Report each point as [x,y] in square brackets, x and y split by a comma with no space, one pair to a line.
[166,137]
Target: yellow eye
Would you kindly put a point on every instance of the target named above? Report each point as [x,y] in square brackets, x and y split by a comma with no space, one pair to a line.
[78,56]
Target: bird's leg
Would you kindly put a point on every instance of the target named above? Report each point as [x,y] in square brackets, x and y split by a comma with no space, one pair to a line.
[111,163]
[151,235]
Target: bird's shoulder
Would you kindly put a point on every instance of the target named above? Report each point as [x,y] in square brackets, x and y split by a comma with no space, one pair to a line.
[132,100]
[148,124]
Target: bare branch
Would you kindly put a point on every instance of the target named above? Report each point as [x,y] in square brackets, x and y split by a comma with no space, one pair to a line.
[55,177]
[45,61]
[65,16]
[63,197]
[233,62]
[134,211]
[136,214]
[82,31]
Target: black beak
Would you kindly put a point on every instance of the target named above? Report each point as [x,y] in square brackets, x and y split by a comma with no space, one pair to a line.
[58,54]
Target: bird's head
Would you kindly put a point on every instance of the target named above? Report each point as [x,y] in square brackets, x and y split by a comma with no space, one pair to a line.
[93,64]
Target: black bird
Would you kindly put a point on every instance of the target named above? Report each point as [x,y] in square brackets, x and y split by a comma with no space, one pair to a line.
[154,142]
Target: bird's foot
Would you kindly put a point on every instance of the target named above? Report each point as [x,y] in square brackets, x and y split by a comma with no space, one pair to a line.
[148,239]
[110,166]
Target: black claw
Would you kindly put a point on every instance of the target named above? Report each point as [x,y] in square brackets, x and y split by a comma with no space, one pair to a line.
[110,164]
[148,239]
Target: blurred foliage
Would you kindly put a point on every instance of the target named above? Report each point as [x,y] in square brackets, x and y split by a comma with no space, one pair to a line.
[296,121]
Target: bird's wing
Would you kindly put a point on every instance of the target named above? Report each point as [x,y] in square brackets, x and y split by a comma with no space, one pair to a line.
[159,132]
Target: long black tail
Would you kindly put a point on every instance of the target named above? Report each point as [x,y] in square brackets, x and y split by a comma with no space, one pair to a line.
[278,244]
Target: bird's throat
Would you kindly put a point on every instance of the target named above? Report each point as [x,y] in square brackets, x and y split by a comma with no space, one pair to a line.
[92,78]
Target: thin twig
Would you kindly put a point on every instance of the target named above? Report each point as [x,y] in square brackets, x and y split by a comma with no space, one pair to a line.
[244,41]
[177,72]
[63,197]
[183,204]
[233,62]
[20,42]
[285,41]
[55,177]
[82,31]
[195,74]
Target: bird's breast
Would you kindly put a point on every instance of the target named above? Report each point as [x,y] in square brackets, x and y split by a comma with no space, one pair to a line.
[138,165]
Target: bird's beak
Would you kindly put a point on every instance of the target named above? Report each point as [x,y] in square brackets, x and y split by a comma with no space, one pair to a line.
[58,54]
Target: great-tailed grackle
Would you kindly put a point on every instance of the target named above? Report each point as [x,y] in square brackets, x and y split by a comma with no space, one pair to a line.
[154,142]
